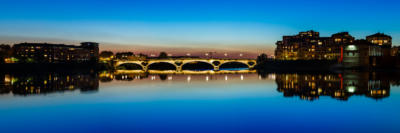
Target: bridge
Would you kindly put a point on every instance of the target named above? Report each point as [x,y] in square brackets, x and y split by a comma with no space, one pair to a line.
[179,63]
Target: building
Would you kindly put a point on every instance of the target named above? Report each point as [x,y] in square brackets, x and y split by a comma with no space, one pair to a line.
[339,40]
[56,53]
[92,48]
[380,39]
[357,54]
[5,54]
[375,51]
[310,46]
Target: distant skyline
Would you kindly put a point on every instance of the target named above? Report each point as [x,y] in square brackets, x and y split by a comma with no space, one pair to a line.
[191,26]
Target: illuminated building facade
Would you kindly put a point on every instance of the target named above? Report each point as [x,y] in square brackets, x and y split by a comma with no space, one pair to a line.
[375,51]
[383,41]
[380,39]
[339,40]
[56,53]
[310,46]
[357,53]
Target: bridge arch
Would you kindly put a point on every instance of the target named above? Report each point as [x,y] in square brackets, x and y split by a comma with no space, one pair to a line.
[197,65]
[162,65]
[234,65]
[129,66]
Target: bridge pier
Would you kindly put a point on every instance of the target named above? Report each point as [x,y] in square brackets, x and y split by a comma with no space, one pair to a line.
[178,69]
[145,68]
[216,68]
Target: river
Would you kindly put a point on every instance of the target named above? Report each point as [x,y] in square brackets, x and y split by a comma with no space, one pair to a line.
[219,102]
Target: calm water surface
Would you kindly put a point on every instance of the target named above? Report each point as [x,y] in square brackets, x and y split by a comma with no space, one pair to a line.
[106,102]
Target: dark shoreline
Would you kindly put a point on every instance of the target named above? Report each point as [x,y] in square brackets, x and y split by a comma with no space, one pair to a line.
[314,66]
[295,66]
[263,67]
[59,67]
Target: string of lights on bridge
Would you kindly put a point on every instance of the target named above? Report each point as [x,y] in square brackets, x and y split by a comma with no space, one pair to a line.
[189,78]
[208,54]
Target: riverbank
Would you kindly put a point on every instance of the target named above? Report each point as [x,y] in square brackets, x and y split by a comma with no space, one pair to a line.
[298,65]
[314,66]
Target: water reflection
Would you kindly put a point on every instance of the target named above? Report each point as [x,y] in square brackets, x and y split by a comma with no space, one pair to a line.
[307,86]
[338,86]
[44,83]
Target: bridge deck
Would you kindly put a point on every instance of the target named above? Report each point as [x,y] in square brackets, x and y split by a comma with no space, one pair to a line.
[180,62]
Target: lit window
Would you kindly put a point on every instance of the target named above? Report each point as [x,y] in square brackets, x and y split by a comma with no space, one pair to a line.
[351,47]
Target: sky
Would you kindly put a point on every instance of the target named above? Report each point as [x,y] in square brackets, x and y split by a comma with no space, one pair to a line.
[189,26]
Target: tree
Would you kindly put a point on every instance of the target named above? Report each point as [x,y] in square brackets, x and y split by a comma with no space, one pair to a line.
[124,55]
[5,52]
[106,54]
[142,55]
[262,58]
[163,55]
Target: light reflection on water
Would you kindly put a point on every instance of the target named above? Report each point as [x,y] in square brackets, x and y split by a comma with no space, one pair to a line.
[240,102]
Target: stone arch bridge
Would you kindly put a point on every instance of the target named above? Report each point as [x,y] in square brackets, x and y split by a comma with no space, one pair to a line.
[179,63]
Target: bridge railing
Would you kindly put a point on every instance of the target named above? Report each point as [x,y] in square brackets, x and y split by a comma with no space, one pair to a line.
[182,59]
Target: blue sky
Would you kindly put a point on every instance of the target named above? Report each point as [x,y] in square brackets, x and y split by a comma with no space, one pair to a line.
[249,25]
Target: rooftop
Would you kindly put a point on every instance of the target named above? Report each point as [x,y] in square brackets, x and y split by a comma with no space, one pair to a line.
[379,35]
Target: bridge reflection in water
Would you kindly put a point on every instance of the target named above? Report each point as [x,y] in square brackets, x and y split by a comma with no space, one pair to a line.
[306,86]
[248,75]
